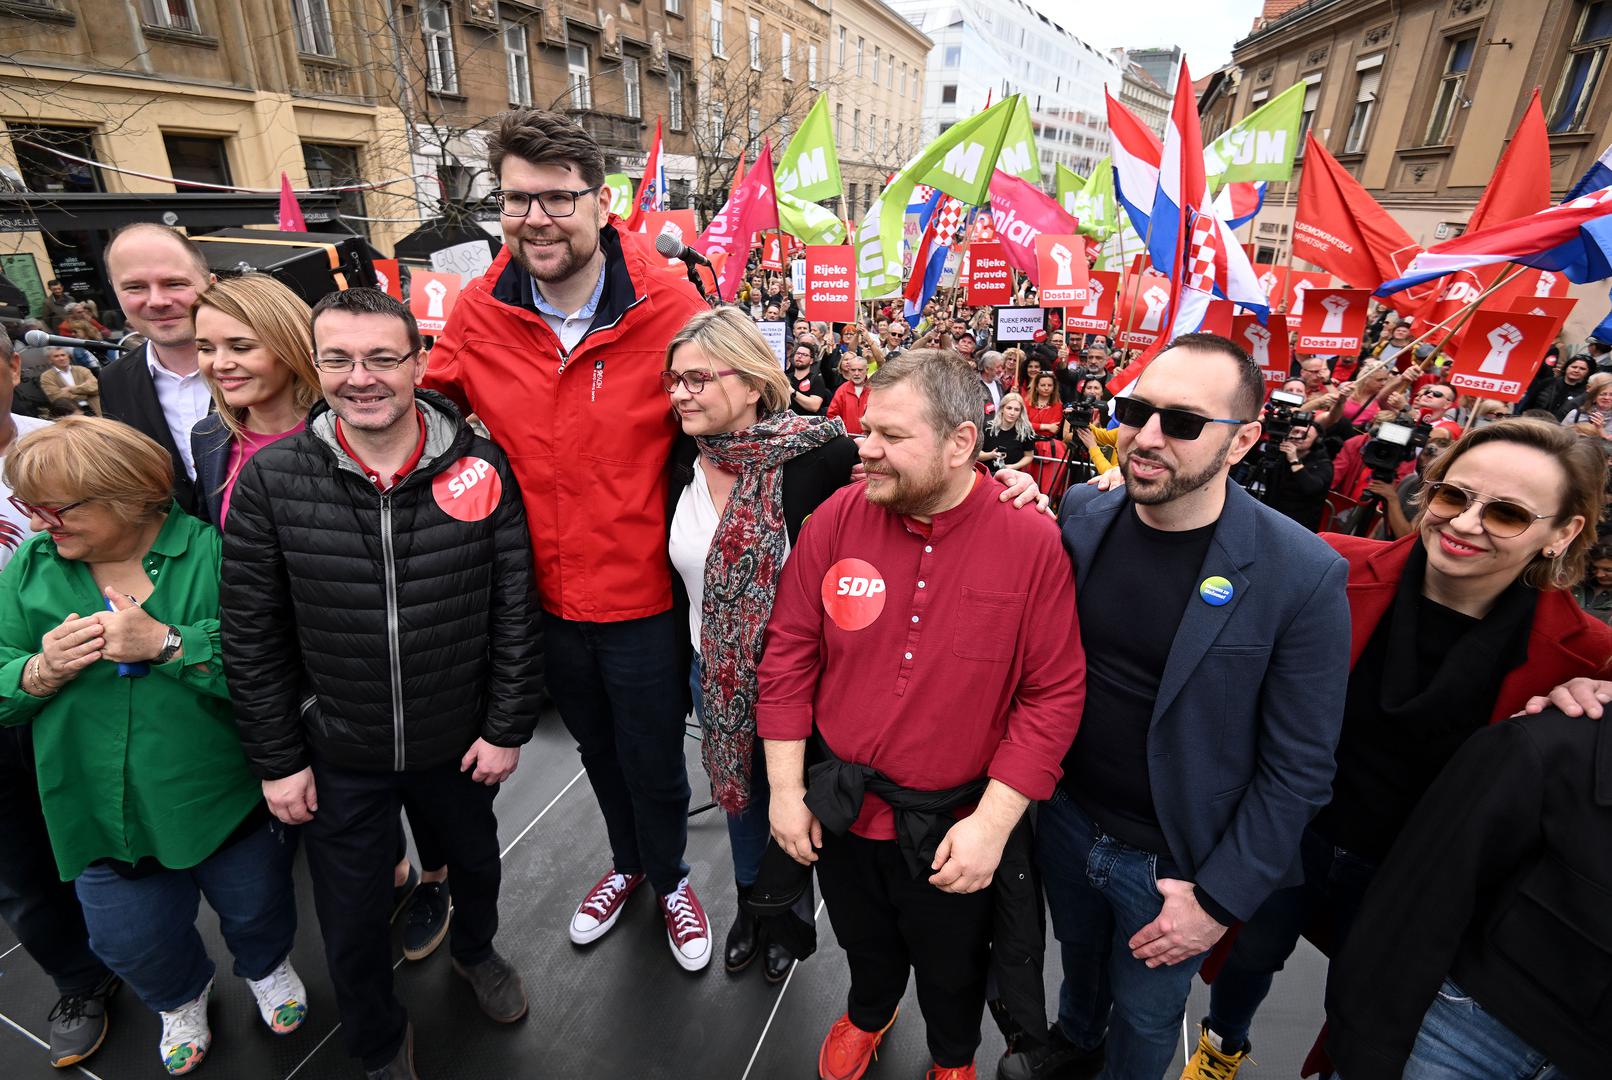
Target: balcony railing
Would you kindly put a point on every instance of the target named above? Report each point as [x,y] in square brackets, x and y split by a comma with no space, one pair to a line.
[609,129]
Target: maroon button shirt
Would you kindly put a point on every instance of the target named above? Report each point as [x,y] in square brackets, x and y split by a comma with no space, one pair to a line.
[926,657]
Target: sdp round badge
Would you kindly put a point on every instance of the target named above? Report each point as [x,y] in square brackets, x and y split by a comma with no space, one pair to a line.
[853,594]
[1215,591]
[469,489]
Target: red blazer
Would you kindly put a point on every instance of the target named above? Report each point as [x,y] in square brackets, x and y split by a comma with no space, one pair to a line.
[1564,643]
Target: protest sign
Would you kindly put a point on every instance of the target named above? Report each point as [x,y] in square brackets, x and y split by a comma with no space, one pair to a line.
[1500,353]
[386,278]
[1061,261]
[774,333]
[1102,289]
[990,282]
[1019,324]
[1266,346]
[1333,321]
[830,283]
[431,298]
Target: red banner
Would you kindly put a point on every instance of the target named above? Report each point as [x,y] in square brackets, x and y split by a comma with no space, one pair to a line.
[386,278]
[1266,345]
[990,281]
[772,251]
[431,298]
[1555,308]
[1333,321]
[681,224]
[830,283]
[1500,353]
[1102,290]
[1061,269]
[752,208]
[1146,301]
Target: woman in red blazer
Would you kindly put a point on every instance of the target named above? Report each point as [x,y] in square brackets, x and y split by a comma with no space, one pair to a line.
[1455,626]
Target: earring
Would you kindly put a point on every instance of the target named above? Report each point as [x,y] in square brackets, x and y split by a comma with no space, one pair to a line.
[1549,553]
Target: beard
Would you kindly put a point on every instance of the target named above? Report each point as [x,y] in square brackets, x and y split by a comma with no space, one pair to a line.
[564,258]
[909,494]
[1172,485]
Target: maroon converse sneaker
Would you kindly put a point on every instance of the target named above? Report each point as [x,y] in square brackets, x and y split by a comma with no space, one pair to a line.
[602,907]
[688,931]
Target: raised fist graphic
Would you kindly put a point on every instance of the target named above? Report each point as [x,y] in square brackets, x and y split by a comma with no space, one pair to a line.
[1502,339]
[1335,306]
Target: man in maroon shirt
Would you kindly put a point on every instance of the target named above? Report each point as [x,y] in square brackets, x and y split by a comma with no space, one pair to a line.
[907,655]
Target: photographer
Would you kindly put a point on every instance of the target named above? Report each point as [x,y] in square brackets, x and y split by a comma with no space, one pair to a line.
[1298,487]
[1087,419]
[1399,503]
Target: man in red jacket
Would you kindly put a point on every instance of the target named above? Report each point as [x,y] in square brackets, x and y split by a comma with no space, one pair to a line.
[557,349]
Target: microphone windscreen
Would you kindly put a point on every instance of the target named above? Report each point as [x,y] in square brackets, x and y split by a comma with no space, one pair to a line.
[669,245]
[37,339]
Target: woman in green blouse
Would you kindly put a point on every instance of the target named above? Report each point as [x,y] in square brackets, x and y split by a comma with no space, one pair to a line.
[109,648]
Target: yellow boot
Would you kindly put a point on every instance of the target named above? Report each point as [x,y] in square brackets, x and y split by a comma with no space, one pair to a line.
[1211,1063]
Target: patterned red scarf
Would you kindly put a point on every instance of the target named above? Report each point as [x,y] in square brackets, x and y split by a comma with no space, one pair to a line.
[741,579]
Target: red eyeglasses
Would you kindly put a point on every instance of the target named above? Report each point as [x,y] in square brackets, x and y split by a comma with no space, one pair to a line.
[50,515]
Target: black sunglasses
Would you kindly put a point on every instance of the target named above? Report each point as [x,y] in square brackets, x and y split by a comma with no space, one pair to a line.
[1178,424]
[1500,518]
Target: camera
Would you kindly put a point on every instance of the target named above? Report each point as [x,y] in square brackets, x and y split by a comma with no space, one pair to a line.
[1391,446]
[1282,417]
[1081,413]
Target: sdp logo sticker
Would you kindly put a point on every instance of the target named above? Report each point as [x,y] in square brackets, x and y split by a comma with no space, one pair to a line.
[469,489]
[853,593]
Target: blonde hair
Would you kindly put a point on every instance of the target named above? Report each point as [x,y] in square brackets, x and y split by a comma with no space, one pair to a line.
[279,319]
[81,458]
[730,340]
[1593,386]
[1025,431]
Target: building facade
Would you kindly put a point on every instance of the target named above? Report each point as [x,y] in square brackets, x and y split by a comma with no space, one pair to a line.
[1161,64]
[875,95]
[1141,93]
[991,48]
[1417,99]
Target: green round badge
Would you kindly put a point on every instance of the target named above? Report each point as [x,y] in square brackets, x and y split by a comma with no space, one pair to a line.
[1215,591]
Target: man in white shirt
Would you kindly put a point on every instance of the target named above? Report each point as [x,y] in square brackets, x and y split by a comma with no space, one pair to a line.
[40,908]
[157,273]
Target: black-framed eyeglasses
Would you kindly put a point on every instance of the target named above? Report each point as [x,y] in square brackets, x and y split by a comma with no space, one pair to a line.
[50,515]
[338,364]
[693,380]
[1179,424]
[1500,518]
[558,203]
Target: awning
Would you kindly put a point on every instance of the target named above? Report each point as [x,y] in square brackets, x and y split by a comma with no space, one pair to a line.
[433,236]
[29,211]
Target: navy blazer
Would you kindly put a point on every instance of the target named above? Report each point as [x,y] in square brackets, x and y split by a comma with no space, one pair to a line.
[1241,744]
[128,394]
[209,447]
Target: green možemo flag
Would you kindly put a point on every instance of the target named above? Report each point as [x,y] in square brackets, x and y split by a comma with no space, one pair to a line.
[808,168]
[621,194]
[1262,145]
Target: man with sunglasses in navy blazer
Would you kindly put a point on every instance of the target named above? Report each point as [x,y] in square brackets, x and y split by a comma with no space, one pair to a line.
[1212,713]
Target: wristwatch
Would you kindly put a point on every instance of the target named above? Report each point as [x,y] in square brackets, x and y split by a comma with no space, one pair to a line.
[170,646]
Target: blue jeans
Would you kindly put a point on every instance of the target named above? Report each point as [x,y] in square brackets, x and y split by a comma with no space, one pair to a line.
[1459,1041]
[1335,883]
[145,928]
[1100,893]
[747,830]
[619,688]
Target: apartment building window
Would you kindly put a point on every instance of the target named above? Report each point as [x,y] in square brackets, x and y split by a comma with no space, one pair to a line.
[44,171]
[170,14]
[517,65]
[198,158]
[674,7]
[785,126]
[441,72]
[890,74]
[1586,58]
[952,57]
[856,130]
[1368,77]
[331,165]
[876,64]
[948,94]
[842,48]
[674,96]
[1457,62]
[716,124]
[811,64]
[633,87]
[839,123]
[887,133]
[860,43]
[1312,98]
[718,46]
[311,19]
[754,125]
[755,43]
[578,77]
[786,61]
[903,80]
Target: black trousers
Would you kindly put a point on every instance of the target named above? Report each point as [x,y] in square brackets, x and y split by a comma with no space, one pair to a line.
[351,852]
[887,922]
[41,908]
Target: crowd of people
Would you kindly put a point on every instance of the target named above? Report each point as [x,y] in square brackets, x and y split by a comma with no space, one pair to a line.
[289,575]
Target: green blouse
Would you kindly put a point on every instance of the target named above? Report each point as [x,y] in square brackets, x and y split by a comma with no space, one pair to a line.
[129,767]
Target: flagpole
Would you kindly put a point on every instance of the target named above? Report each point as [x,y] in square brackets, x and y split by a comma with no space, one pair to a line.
[1287,269]
[1460,317]
[1130,307]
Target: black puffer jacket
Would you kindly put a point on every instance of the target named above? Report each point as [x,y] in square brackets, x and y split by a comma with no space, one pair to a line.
[379,632]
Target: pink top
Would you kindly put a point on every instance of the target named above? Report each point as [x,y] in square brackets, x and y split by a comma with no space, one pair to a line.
[240,449]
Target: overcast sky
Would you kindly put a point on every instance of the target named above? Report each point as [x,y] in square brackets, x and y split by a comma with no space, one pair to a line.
[1206,29]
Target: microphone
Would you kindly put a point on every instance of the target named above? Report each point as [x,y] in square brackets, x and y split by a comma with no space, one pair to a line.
[673,248]
[38,339]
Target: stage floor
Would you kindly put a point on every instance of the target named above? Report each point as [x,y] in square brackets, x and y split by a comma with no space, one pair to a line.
[621,1008]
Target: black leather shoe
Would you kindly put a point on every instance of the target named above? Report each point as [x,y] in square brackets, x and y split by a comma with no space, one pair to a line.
[1054,1059]
[778,963]
[744,937]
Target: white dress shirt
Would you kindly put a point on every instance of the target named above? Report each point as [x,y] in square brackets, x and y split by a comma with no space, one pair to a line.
[185,399]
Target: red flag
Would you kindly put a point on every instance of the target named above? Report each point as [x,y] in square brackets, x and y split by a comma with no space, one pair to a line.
[650,194]
[1340,228]
[1020,212]
[752,208]
[738,175]
[290,213]
[1519,187]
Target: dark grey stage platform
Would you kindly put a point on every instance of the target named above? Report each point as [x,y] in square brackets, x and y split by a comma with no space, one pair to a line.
[620,1009]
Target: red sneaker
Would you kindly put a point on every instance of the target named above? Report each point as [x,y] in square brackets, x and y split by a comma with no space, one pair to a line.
[848,1050]
[954,1072]
[688,931]
[599,911]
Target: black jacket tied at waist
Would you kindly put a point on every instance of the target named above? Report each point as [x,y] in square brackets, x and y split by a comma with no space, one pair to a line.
[834,793]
